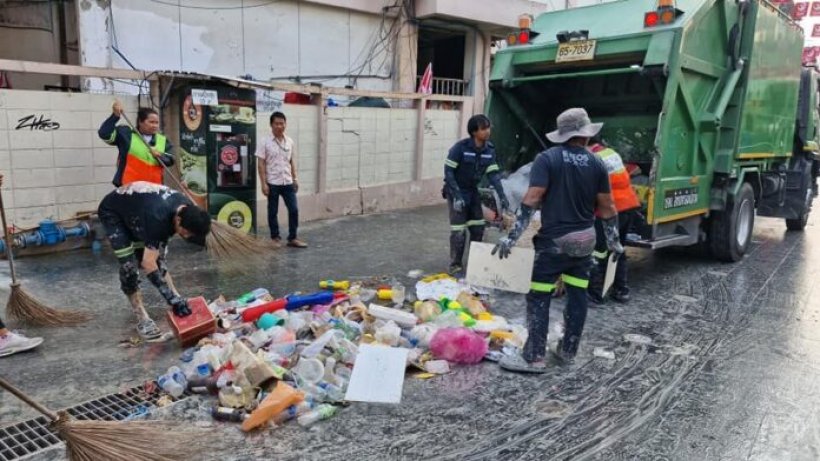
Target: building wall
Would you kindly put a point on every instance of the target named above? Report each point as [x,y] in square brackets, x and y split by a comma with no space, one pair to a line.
[31,32]
[54,173]
[370,158]
[275,40]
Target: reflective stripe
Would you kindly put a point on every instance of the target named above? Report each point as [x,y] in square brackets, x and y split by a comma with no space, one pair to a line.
[575,281]
[477,222]
[123,252]
[492,168]
[600,254]
[138,245]
[458,227]
[542,287]
[451,163]
[112,139]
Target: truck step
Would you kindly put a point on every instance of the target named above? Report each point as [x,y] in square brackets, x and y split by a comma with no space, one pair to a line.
[663,242]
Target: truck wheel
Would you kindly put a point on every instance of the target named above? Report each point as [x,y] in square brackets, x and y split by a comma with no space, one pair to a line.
[799,223]
[731,229]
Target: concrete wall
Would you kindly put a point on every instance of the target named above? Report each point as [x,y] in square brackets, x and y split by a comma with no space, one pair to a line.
[275,40]
[32,33]
[371,157]
[54,173]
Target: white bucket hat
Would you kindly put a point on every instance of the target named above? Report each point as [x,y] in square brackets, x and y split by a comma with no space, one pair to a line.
[574,123]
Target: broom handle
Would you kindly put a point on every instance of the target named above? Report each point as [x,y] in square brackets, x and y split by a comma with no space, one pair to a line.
[7,236]
[167,170]
[28,400]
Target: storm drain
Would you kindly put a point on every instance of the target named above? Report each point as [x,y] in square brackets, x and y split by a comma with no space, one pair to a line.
[33,436]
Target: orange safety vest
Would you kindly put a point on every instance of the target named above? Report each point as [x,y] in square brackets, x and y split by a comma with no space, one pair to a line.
[140,165]
[619,181]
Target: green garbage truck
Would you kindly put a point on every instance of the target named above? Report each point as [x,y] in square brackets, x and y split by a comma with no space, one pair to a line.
[708,99]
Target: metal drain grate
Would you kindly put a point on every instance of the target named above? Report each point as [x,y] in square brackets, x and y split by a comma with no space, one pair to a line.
[33,436]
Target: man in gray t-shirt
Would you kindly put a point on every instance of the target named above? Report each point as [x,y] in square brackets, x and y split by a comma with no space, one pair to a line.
[568,183]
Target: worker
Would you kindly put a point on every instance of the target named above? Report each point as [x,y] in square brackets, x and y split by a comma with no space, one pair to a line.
[11,342]
[139,218]
[468,161]
[577,182]
[627,204]
[136,161]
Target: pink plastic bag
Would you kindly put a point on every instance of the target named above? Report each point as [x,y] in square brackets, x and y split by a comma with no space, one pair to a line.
[458,345]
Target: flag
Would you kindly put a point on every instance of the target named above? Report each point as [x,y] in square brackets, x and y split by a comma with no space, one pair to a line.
[426,83]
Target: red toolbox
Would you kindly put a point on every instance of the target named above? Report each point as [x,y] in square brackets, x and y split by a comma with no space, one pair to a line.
[201,323]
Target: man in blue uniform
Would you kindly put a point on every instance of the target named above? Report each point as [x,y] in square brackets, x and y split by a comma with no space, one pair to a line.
[467,163]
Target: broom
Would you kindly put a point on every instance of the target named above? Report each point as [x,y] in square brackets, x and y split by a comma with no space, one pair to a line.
[223,242]
[25,308]
[116,440]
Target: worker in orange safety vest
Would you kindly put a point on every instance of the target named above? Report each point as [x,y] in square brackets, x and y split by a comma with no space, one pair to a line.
[137,160]
[627,204]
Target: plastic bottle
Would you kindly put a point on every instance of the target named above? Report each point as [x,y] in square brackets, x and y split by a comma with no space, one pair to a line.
[203,386]
[333,393]
[322,297]
[385,294]
[252,296]
[334,285]
[320,413]
[388,334]
[170,385]
[232,415]
[294,411]
[397,293]
[330,370]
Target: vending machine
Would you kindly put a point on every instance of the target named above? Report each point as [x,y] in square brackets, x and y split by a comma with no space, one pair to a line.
[216,152]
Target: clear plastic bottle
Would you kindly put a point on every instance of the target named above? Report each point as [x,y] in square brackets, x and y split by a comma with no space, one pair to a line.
[294,411]
[171,385]
[321,412]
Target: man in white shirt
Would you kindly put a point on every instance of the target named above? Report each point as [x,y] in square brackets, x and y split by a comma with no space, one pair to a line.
[277,172]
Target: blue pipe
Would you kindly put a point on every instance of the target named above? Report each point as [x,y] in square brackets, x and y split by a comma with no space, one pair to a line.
[48,233]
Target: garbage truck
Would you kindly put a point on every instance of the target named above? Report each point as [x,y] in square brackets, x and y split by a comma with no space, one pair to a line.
[707,99]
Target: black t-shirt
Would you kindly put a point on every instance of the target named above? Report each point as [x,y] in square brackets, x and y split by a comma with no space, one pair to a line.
[573,177]
[147,210]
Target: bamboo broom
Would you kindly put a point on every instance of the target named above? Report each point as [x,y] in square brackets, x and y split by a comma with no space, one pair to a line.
[224,242]
[117,440]
[25,308]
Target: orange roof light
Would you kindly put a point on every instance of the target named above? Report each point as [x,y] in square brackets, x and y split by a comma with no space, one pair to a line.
[525,21]
[666,4]
[512,38]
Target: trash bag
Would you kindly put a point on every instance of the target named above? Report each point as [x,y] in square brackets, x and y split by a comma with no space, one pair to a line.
[458,345]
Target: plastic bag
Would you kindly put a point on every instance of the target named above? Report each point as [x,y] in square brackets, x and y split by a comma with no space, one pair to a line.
[459,345]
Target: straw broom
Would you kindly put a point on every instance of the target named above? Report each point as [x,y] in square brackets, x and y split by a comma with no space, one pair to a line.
[25,308]
[116,440]
[223,242]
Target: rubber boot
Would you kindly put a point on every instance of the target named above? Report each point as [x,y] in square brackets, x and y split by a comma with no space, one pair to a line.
[538,322]
[457,243]
[595,291]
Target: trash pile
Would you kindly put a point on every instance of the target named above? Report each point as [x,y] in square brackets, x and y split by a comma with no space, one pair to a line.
[273,360]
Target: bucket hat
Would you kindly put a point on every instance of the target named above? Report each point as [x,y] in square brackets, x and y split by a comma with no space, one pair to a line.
[571,123]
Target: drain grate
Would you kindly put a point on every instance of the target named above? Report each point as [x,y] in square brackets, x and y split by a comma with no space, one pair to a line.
[33,436]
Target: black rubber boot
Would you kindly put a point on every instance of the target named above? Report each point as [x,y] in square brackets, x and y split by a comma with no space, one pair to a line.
[596,281]
[458,240]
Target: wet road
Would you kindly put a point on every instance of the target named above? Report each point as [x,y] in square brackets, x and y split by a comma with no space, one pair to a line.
[731,372]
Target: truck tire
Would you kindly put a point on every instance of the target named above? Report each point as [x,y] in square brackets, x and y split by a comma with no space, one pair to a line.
[799,223]
[731,229]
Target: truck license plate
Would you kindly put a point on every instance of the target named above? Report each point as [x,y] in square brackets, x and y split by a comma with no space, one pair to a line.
[580,50]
